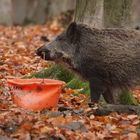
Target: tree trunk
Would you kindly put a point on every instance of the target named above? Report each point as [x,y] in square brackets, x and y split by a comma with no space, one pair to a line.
[20,12]
[135,13]
[89,12]
[108,13]
[5,12]
[56,7]
[117,13]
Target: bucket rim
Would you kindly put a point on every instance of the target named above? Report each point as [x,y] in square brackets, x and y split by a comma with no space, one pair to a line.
[34,81]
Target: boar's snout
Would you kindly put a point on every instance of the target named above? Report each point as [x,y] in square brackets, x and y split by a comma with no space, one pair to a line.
[43,53]
[47,54]
[39,51]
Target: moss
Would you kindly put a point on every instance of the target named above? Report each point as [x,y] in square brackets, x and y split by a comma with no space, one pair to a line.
[78,84]
[54,72]
[61,73]
[126,97]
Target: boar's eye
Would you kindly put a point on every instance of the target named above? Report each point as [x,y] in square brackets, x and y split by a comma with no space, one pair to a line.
[59,38]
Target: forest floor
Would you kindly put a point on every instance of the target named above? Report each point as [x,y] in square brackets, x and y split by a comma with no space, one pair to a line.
[69,121]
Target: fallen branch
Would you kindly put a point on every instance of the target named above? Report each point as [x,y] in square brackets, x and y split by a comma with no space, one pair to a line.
[108,108]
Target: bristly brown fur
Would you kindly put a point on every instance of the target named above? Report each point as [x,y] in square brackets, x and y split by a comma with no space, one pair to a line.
[107,58]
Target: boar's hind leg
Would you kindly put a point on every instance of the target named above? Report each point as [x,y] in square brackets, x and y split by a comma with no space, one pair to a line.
[95,91]
[108,96]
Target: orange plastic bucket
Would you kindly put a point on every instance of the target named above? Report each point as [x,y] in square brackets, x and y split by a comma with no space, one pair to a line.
[36,94]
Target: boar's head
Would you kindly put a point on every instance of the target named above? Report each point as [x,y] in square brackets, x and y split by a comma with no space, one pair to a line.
[63,46]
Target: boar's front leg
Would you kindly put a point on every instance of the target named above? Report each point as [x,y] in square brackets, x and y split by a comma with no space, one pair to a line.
[95,90]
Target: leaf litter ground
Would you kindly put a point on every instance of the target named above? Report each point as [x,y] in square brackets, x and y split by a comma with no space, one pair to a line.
[66,122]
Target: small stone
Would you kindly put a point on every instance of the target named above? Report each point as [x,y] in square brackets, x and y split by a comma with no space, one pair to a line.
[92,117]
[55,114]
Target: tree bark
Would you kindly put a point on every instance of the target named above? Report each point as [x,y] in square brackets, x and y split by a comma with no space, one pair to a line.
[117,13]
[89,12]
[5,12]
[108,13]
[135,13]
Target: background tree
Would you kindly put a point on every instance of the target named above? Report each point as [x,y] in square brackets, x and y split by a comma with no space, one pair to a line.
[108,13]
[32,11]
[89,12]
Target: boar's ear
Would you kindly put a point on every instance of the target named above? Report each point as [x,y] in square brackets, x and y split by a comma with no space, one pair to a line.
[72,32]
